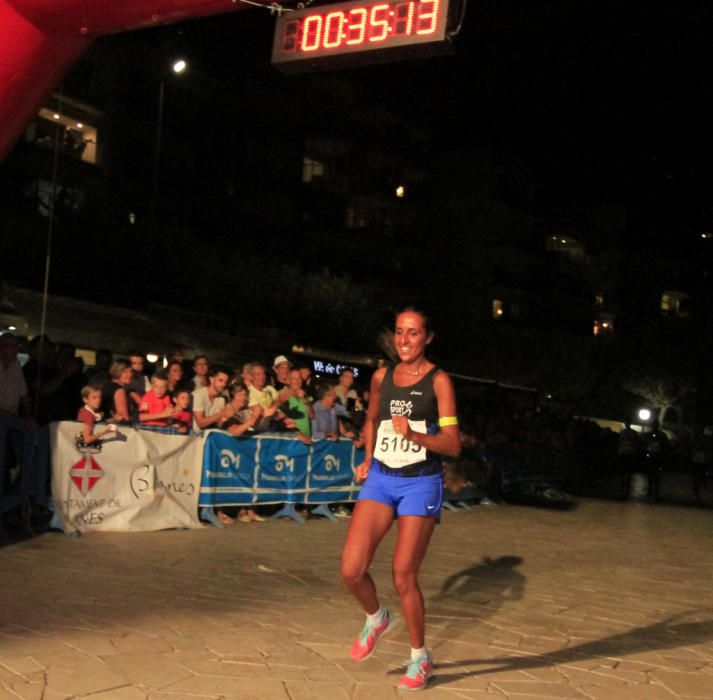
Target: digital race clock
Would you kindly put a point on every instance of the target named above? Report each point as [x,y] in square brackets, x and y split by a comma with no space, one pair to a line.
[367,30]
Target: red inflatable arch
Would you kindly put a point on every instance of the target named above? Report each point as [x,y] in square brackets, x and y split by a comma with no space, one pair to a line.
[41,39]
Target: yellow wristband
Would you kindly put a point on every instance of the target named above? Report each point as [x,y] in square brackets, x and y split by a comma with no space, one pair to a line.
[447,420]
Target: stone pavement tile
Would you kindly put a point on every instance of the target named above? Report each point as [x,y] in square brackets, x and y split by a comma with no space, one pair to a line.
[242,644]
[277,646]
[579,678]
[51,695]
[683,659]
[633,677]
[161,695]
[231,687]
[149,670]
[646,691]
[332,675]
[88,642]
[516,689]
[20,644]
[89,676]
[138,642]
[693,685]
[129,692]
[459,678]
[7,676]
[19,664]
[225,667]
[374,691]
[329,652]
[310,690]
[27,690]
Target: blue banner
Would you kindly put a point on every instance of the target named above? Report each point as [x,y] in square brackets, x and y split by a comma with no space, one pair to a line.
[275,468]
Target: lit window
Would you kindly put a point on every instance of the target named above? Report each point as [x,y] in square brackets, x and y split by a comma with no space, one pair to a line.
[311,170]
[497,308]
[675,304]
[75,138]
[599,299]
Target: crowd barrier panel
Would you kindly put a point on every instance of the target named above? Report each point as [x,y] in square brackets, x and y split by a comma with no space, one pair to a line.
[135,480]
[155,479]
[276,468]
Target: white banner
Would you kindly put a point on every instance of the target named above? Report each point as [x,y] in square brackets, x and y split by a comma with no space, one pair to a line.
[137,480]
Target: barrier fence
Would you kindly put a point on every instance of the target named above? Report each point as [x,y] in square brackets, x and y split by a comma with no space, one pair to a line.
[148,480]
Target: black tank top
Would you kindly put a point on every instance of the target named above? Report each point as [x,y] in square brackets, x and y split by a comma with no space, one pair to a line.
[418,402]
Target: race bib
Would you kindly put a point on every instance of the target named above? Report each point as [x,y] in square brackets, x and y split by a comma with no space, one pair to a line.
[396,451]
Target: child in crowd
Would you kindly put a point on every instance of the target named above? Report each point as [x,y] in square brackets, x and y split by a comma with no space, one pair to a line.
[156,407]
[183,415]
[89,414]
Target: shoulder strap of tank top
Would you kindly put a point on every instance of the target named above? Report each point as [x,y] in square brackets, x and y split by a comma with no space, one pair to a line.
[432,372]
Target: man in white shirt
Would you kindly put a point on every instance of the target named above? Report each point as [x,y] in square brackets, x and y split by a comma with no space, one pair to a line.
[209,404]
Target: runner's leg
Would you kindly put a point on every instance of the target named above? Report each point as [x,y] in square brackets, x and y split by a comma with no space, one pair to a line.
[414,534]
[370,521]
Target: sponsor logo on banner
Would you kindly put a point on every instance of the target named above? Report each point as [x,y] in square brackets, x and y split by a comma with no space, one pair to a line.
[284,462]
[331,462]
[229,459]
[85,474]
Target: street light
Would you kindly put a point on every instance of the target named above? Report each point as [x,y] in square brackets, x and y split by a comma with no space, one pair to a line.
[178,66]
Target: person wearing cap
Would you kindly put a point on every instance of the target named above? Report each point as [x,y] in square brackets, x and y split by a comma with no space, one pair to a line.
[281,367]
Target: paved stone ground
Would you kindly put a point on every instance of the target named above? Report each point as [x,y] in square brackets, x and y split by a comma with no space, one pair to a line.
[609,601]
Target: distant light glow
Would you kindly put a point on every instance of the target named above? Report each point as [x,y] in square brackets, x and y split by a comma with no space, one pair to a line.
[152,357]
[56,116]
[644,414]
[179,66]
[707,236]
[400,191]
[12,328]
[80,125]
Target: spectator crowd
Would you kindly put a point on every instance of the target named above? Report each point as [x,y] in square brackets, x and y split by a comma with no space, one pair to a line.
[183,397]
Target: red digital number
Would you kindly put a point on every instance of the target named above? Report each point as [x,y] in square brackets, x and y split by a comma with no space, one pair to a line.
[311,33]
[354,39]
[428,18]
[333,24]
[379,22]
[403,24]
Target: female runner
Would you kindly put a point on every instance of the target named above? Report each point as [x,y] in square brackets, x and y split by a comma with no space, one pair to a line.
[411,421]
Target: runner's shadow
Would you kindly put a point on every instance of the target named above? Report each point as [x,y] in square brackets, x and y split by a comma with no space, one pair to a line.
[667,634]
[491,581]
[470,596]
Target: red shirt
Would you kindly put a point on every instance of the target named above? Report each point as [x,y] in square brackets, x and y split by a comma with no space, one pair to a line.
[150,403]
[185,418]
[88,417]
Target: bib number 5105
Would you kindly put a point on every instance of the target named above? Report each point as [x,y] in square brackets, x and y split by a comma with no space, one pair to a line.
[396,451]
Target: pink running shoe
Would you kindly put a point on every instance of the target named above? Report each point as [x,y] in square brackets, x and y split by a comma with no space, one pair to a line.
[417,673]
[365,644]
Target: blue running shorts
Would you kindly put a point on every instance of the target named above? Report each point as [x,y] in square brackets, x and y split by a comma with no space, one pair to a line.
[413,495]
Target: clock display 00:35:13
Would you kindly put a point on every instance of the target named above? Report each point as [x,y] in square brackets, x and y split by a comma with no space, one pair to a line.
[360,26]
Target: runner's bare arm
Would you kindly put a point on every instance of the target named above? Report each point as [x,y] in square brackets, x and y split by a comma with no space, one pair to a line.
[370,424]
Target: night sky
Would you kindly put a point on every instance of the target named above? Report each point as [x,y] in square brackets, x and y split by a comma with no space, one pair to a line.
[606,100]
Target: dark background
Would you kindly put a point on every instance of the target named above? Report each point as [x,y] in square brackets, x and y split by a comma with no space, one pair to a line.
[584,120]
